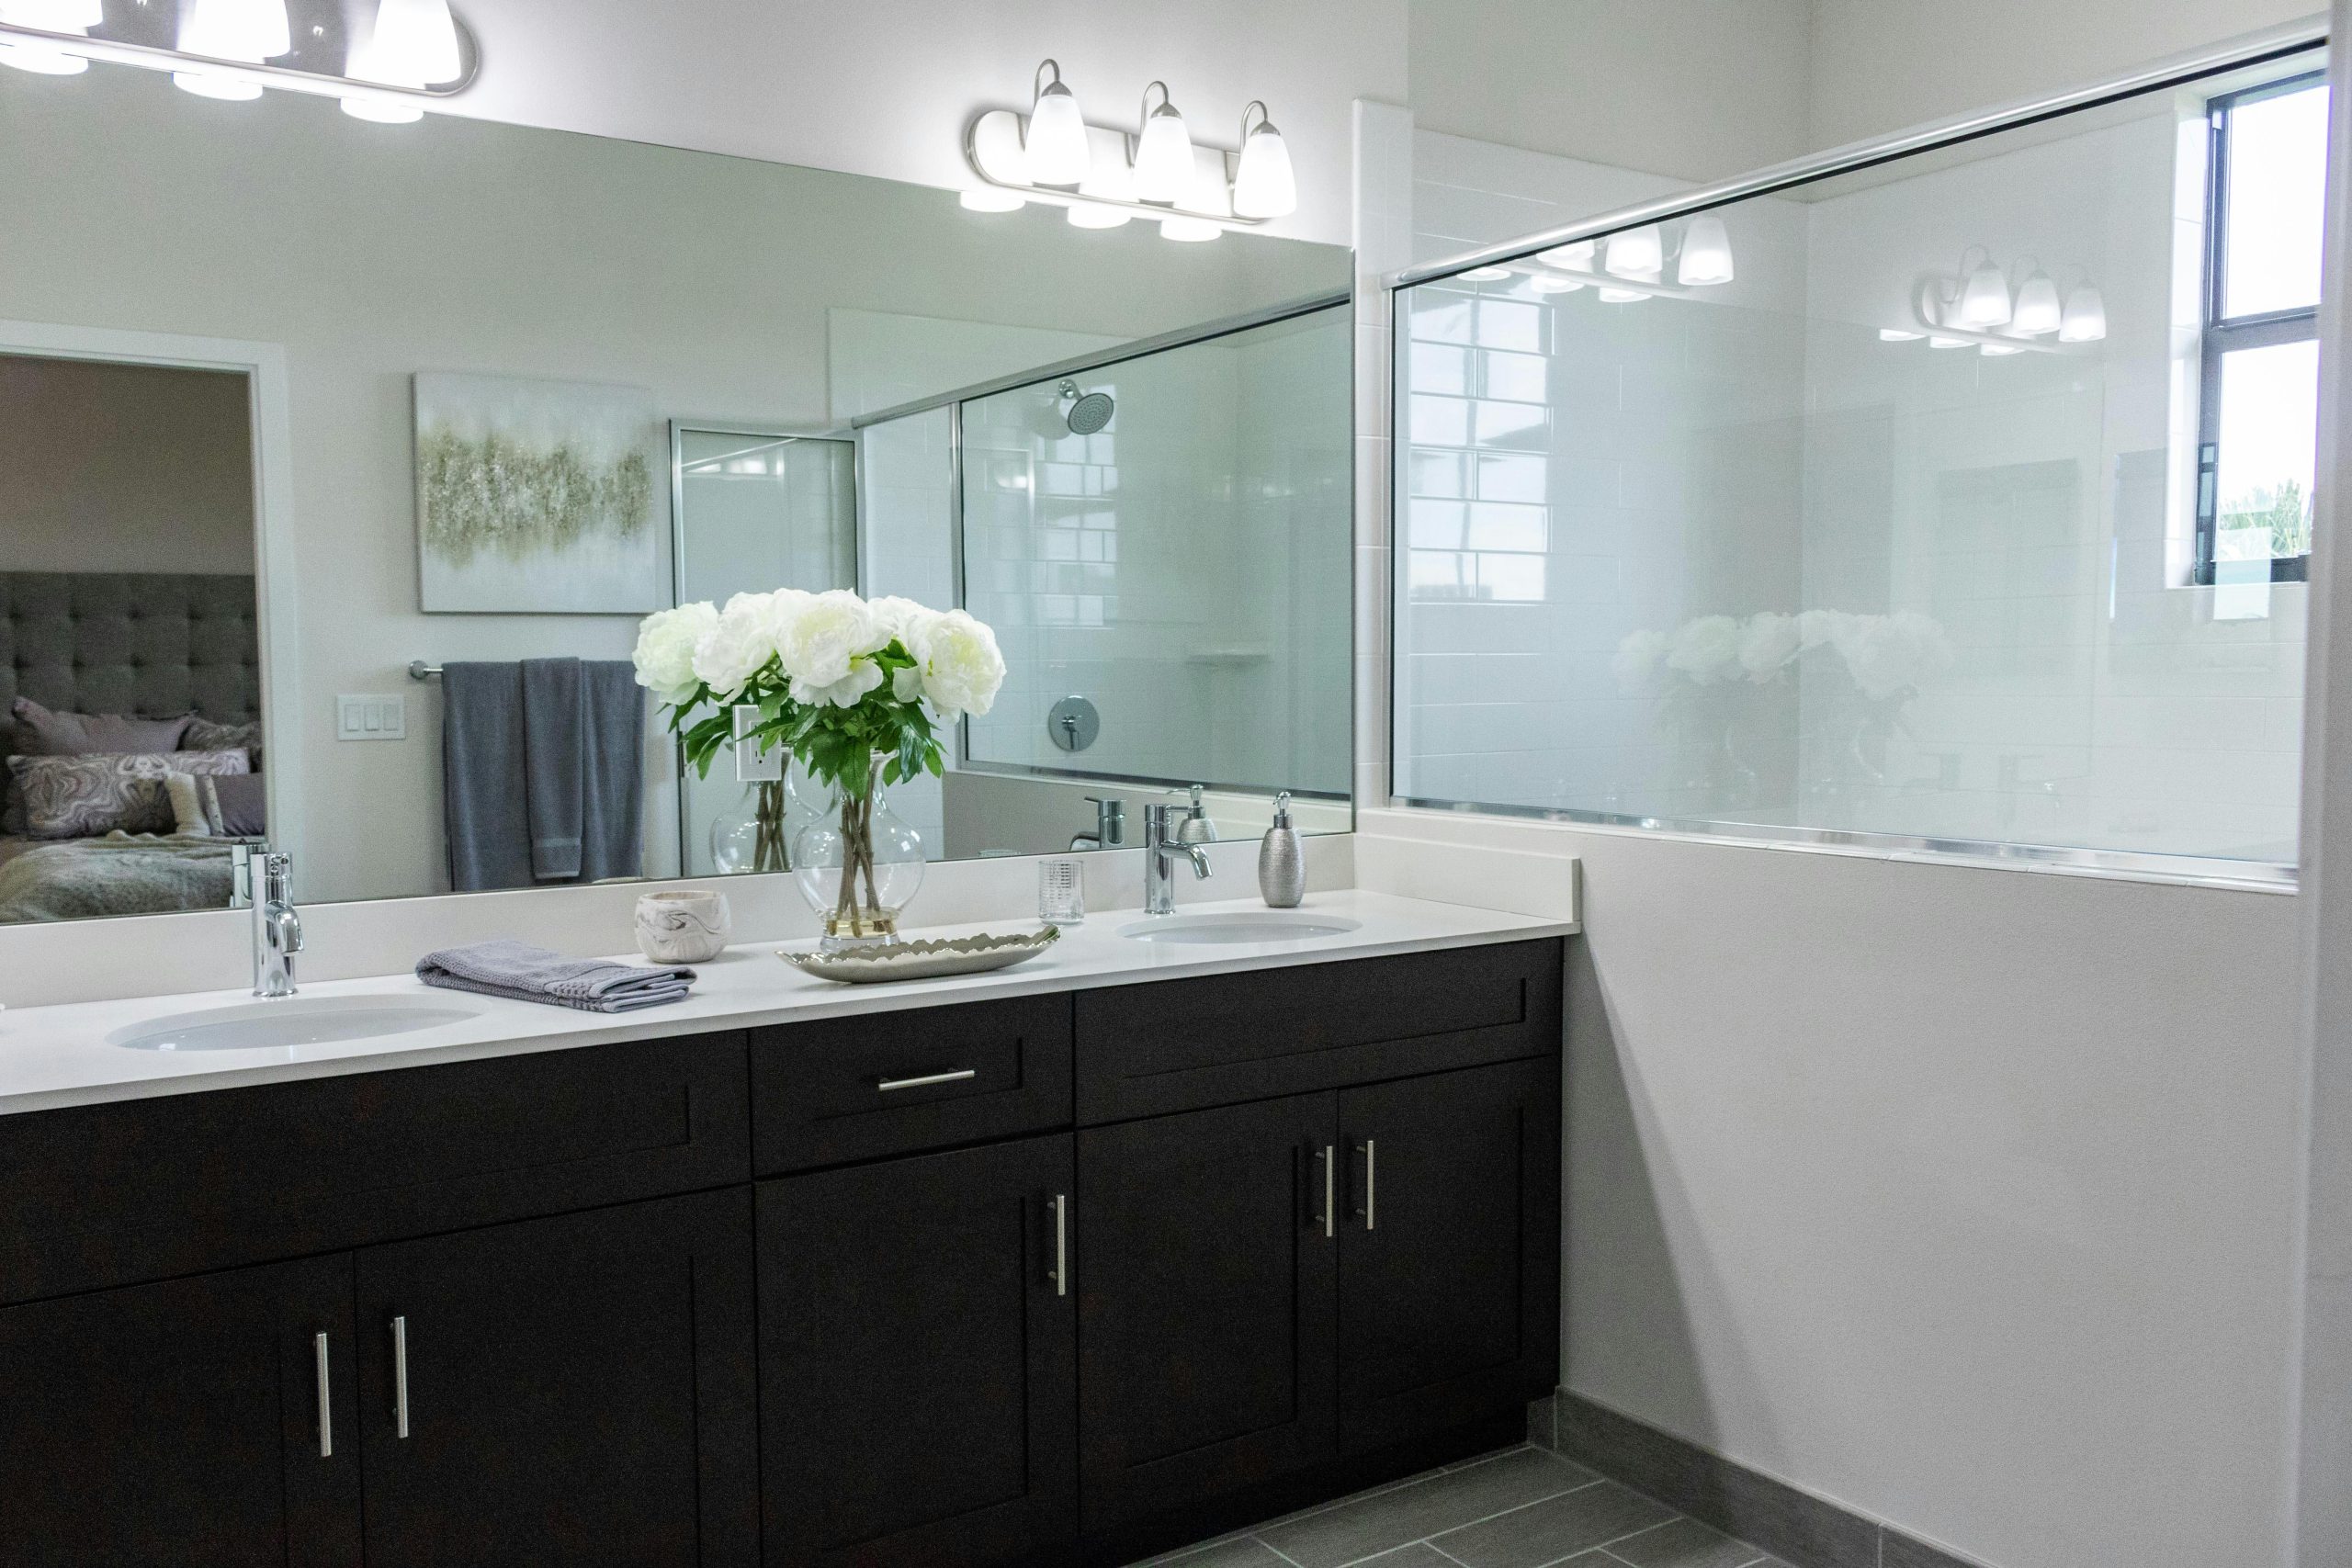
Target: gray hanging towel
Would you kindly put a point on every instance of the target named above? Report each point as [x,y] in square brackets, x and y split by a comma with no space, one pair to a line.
[487,819]
[612,827]
[555,767]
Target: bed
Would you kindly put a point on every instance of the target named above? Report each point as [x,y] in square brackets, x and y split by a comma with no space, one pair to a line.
[148,644]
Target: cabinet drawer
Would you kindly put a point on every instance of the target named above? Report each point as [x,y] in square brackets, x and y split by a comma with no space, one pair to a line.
[102,1195]
[1220,1039]
[862,1088]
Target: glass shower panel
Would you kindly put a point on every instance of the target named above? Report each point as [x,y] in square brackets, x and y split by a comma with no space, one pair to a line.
[755,512]
[1868,507]
[1167,539]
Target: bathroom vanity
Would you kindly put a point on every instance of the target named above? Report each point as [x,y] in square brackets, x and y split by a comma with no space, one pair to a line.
[1069,1262]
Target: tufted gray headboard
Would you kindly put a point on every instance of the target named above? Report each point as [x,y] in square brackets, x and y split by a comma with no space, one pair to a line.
[153,644]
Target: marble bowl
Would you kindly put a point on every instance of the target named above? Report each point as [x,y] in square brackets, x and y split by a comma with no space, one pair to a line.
[687,926]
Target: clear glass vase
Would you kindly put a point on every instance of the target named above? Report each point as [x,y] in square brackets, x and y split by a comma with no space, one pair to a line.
[752,840]
[859,867]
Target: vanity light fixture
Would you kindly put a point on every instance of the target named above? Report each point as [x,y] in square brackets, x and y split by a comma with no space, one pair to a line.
[1486,275]
[1103,178]
[1637,253]
[2037,313]
[253,31]
[1059,150]
[1163,155]
[1897,335]
[2084,318]
[1556,282]
[41,56]
[415,44]
[1705,259]
[1264,184]
[1577,254]
[1984,297]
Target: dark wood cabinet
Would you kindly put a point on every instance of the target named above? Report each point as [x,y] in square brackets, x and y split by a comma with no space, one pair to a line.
[1206,1293]
[180,1423]
[918,1360]
[1449,1249]
[575,1390]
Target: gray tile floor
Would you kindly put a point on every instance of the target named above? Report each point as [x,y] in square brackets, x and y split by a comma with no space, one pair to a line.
[1524,1507]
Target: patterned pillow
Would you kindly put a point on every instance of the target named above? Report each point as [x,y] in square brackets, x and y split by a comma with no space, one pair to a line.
[80,797]
[203,735]
[45,732]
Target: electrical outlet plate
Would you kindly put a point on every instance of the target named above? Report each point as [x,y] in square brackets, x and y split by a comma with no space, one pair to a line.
[382,718]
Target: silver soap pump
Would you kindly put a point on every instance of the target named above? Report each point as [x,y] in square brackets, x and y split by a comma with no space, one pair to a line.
[1281,860]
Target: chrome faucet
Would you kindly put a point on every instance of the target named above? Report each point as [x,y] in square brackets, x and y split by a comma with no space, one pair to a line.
[1162,848]
[265,883]
[1110,825]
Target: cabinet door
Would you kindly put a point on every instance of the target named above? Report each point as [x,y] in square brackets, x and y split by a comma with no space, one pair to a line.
[1205,1305]
[918,1360]
[180,1423]
[576,1390]
[1449,1249]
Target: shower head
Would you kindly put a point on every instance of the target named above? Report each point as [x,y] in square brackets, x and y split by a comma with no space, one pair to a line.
[1088,412]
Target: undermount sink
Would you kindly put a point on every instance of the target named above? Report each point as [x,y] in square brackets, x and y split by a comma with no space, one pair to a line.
[298,1020]
[1215,929]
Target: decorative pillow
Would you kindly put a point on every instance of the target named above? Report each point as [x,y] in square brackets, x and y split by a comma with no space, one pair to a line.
[40,732]
[80,797]
[203,735]
[44,732]
[210,806]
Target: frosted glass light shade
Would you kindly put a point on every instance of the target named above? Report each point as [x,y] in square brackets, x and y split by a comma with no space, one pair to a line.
[2038,310]
[991,199]
[1189,231]
[1059,153]
[1706,254]
[414,44]
[2085,318]
[205,84]
[1620,296]
[53,15]
[41,58]
[1264,185]
[1086,215]
[253,30]
[1637,253]
[1984,299]
[1486,275]
[1577,255]
[1163,157]
[1553,283]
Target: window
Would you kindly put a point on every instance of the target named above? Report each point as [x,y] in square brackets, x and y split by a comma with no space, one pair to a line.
[2257,452]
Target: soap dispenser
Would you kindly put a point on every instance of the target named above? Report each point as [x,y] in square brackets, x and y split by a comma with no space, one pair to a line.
[1281,860]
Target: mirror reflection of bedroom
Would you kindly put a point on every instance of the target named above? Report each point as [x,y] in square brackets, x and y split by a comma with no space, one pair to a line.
[129,665]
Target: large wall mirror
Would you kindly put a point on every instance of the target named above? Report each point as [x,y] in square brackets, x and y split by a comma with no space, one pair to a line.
[290,403]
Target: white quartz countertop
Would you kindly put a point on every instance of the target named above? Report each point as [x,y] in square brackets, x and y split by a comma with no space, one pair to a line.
[53,1056]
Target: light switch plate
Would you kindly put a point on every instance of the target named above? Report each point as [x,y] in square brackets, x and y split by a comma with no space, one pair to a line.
[371,718]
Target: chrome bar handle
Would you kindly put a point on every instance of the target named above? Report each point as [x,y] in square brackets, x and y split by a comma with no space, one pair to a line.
[886,1085]
[1061,1244]
[1327,1157]
[326,1399]
[1370,1183]
[400,1377]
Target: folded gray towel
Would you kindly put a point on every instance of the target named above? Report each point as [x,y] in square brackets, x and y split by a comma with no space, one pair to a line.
[527,973]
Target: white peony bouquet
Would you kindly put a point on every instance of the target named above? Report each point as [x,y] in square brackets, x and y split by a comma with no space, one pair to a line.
[858,690]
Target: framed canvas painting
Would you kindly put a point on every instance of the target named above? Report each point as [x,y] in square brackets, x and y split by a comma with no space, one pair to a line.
[539,497]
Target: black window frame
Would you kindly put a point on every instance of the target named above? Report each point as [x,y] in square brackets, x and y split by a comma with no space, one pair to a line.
[2224,334]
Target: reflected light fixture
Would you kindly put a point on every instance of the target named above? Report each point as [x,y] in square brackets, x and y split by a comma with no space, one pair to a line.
[415,44]
[1998,350]
[1059,150]
[1553,283]
[991,199]
[1486,275]
[2037,313]
[1984,299]
[1620,296]
[1191,230]
[248,30]
[1706,254]
[1897,335]
[1263,184]
[1936,342]
[1093,215]
[39,55]
[2084,317]
[1577,255]
[1637,253]
[1163,158]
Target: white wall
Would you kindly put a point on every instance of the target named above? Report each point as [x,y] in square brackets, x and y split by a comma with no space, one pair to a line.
[1879,65]
[1694,89]
[888,89]
[124,467]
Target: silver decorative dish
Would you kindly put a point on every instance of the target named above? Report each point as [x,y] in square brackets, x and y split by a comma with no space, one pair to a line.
[922,960]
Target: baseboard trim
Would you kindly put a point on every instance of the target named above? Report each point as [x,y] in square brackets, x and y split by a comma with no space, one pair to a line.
[1806,1530]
